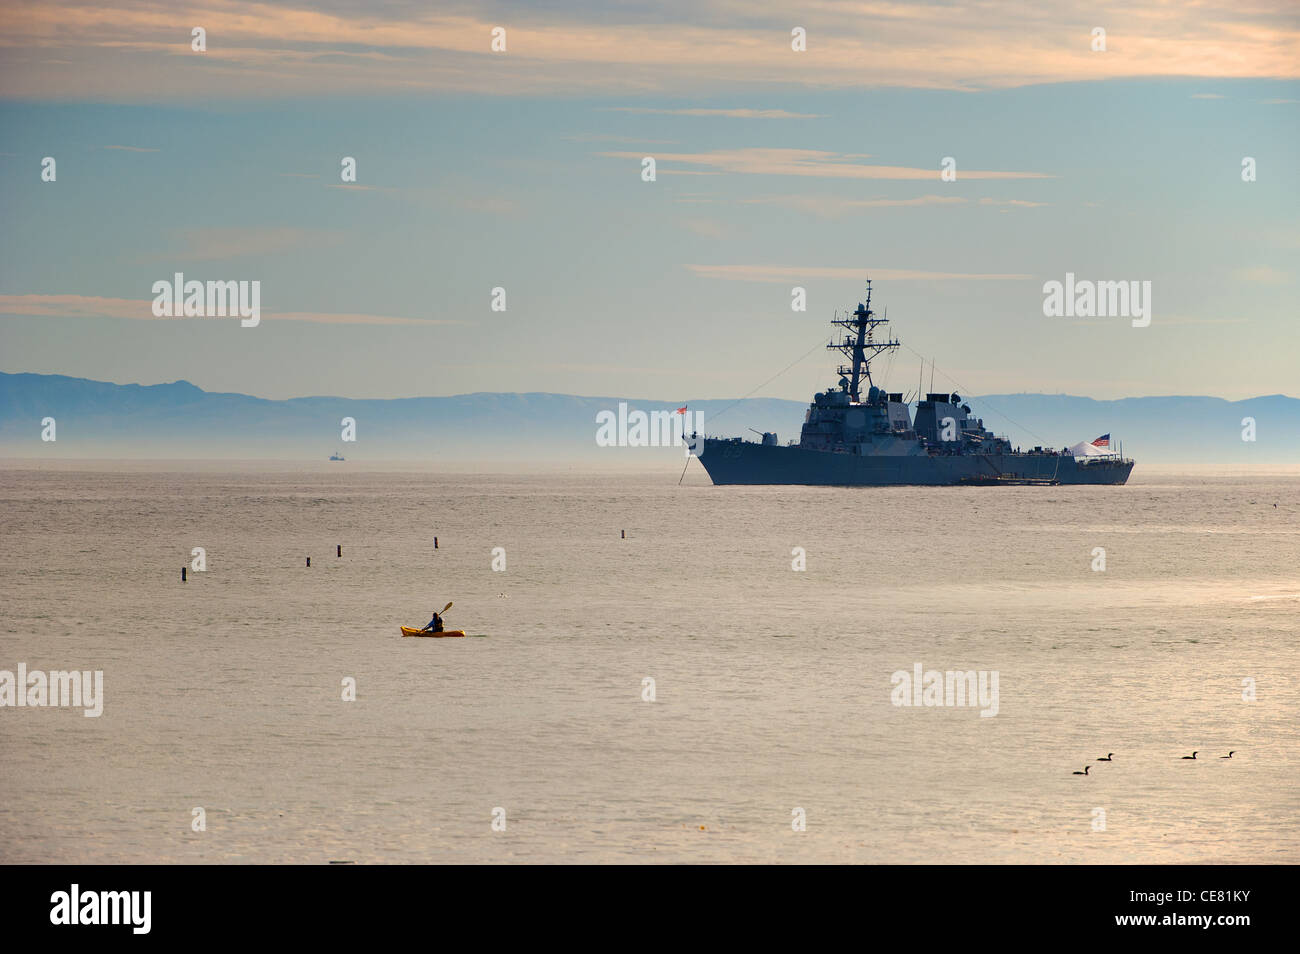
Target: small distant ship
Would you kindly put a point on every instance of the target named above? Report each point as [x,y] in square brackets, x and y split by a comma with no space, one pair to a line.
[337,456]
[851,441]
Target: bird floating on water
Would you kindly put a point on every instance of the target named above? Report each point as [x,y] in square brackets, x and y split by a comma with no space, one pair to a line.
[1192,756]
[1085,770]
[1228,756]
[1107,758]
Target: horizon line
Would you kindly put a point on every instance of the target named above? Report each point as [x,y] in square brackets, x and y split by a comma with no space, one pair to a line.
[421,397]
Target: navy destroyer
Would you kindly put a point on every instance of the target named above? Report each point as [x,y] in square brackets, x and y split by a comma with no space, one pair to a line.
[852,440]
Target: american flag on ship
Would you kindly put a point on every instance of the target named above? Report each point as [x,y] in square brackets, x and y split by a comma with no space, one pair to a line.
[1103,441]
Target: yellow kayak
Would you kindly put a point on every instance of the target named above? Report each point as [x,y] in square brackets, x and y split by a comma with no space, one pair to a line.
[408,631]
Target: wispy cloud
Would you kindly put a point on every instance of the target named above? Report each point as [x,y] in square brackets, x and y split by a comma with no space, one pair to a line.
[786,273]
[90,306]
[834,207]
[493,205]
[133,148]
[75,306]
[215,243]
[807,162]
[601,368]
[730,113]
[1263,275]
[336,318]
[70,49]
[1168,320]
[606,137]
[1015,203]
[1208,96]
[708,228]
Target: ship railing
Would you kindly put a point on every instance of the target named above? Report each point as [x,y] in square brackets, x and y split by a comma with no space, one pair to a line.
[1113,455]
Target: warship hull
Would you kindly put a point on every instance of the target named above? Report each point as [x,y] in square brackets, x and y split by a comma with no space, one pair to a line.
[746,462]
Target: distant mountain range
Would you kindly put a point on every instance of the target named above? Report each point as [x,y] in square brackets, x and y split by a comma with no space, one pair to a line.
[179,420]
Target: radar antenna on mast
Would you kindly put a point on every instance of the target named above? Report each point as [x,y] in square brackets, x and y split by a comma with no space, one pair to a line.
[860,345]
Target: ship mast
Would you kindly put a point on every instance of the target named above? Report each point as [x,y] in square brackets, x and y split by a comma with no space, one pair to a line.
[860,345]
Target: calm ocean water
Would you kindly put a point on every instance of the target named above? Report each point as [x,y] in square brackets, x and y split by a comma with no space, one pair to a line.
[772,687]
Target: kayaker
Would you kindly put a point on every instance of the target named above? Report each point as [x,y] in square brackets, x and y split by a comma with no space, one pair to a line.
[435,624]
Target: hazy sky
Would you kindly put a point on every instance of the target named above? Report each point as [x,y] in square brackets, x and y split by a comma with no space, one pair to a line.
[775,168]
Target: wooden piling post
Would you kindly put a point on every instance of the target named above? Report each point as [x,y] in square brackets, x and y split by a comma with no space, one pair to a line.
[339,550]
[309,561]
[182,574]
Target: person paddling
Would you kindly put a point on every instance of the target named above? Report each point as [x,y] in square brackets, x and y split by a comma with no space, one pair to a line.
[435,624]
